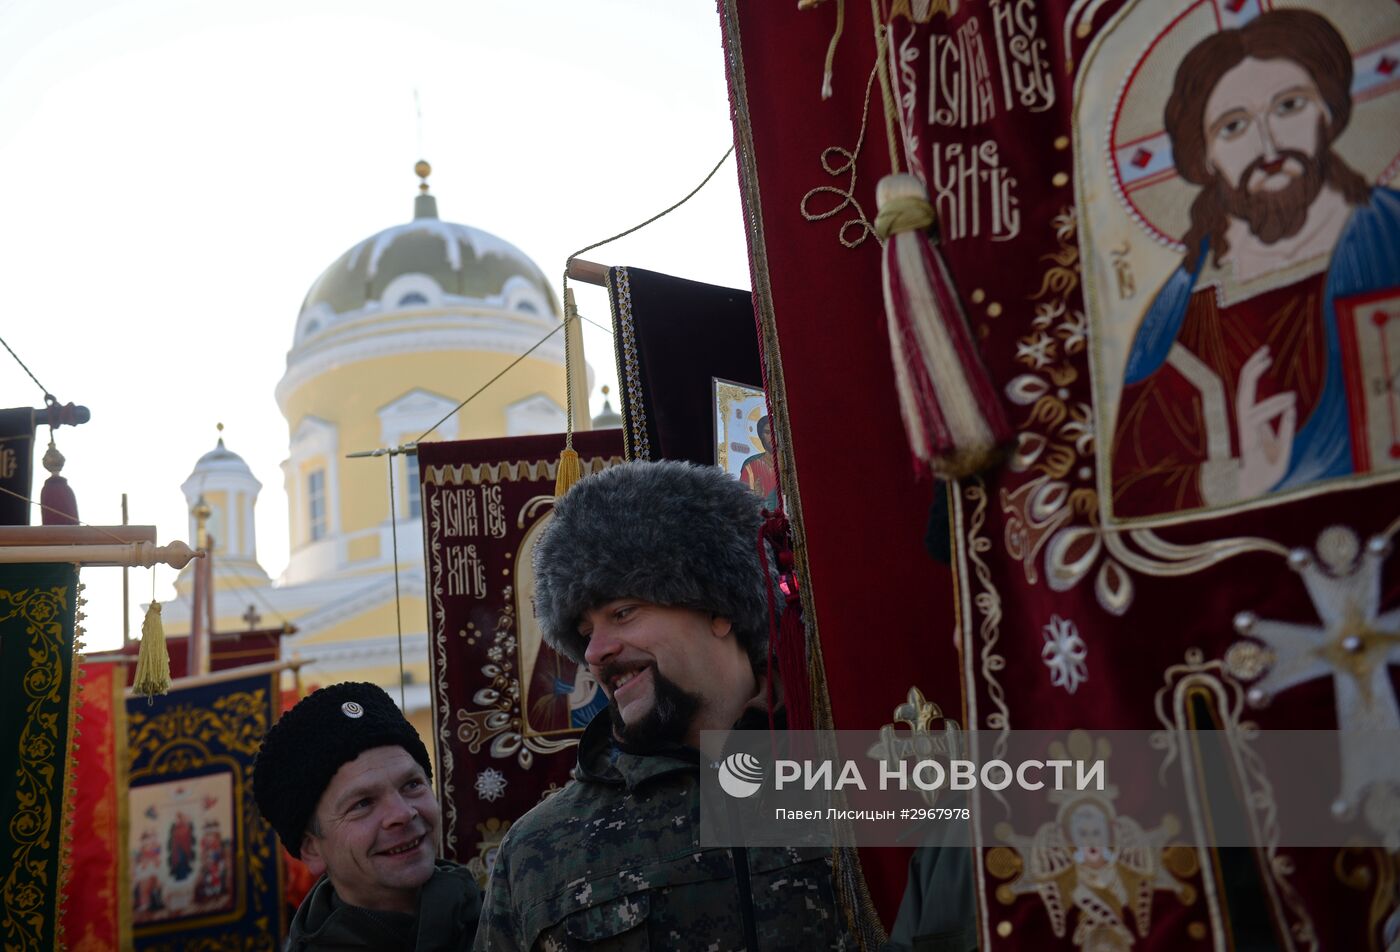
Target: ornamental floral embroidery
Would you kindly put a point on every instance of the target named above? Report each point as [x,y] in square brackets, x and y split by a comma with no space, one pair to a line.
[1052,520]
[491,784]
[1064,653]
[499,721]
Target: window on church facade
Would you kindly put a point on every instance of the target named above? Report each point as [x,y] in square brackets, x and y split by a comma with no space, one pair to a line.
[316,503]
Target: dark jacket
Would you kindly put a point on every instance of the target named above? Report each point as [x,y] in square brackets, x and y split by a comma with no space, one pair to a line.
[614,862]
[447,914]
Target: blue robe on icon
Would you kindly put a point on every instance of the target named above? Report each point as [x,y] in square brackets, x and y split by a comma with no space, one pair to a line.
[1365,259]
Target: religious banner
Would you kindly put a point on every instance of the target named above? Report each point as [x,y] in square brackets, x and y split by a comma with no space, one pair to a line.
[507,709]
[38,638]
[1171,227]
[878,608]
[203,863]
[673,338]
[96,910]
[16,465]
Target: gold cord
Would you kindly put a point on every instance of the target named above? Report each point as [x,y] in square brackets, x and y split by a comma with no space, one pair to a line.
[847,194]
[571,311]
[831,48]
[886,94]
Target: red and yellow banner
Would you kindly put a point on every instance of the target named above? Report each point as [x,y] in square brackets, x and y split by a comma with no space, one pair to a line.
[95,910]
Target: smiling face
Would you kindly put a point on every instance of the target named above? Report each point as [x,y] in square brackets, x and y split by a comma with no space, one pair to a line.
[655,663]
[374,831]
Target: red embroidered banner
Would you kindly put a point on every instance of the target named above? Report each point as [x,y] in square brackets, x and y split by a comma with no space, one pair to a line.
[1172,228]
[96,911]
[507,709]
[879,606]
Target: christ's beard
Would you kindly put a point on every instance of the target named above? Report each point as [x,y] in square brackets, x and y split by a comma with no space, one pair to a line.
[665,723]
[1273,216]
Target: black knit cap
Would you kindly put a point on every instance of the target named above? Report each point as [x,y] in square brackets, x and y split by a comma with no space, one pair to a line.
[325,730]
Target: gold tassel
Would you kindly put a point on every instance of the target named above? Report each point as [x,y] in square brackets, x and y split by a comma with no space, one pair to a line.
[569,472]
[153,661]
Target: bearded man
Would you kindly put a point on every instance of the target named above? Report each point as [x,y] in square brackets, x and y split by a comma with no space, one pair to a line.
[1234,386]
[649,574]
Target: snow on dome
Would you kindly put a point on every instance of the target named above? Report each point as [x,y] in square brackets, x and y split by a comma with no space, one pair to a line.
[221,460]
[446,263]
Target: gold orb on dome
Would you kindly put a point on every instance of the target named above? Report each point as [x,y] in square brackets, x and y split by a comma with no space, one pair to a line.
[422,169]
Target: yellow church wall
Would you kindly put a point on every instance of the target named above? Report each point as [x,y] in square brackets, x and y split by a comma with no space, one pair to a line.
[363,548]
[379,620]
[218,519]
[422,722]
[386,675]
[351,396]
[239,530]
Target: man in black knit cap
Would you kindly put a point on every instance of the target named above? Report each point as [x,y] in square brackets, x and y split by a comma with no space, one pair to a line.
[345,781]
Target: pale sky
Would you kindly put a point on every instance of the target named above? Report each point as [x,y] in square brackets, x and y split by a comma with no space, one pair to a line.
[175,175]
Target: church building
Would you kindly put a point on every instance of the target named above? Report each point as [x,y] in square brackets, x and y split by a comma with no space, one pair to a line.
[389,339]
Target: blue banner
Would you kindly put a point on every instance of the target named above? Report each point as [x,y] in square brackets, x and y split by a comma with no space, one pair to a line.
[204,866]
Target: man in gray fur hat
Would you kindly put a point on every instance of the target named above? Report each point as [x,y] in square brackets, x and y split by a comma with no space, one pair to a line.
[649,573]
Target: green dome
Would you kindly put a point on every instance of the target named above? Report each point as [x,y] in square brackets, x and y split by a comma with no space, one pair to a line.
[463,262]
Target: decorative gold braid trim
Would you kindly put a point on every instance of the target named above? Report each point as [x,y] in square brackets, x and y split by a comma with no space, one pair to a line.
[510,472]
[635,444]
[988,604]
[852,892]
[70,761]
[121,773]
[441,706]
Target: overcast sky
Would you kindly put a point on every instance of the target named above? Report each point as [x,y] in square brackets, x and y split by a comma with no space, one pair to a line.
[175,175]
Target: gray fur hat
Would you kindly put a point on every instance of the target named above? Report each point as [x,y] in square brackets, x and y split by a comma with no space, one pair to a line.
[668,532]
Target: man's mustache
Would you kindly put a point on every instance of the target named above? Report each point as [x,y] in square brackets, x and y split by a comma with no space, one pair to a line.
[1280,157]
[605,674]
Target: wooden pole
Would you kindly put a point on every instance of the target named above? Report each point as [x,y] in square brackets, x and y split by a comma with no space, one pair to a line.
[578,367]
[145,554]
[197,659]
[126,585]
[229,674]
[76,535]
[587,272]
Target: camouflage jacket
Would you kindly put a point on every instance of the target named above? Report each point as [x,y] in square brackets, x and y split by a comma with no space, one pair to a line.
[446,920]
[613,861]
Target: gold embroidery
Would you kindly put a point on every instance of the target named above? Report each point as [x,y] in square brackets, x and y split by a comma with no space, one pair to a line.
[492,832]
[1212,681]
[184,737]
[42,740]
[1094,860]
